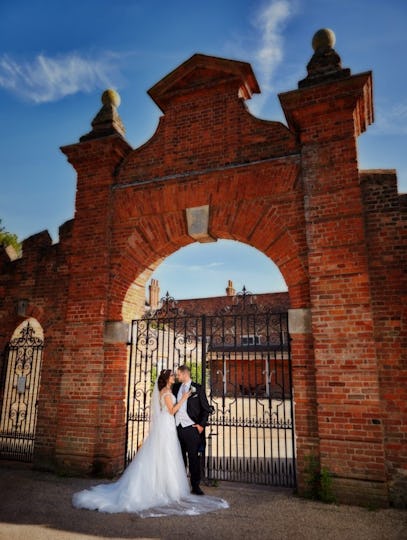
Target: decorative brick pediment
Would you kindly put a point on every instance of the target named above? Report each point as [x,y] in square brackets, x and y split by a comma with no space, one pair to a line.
[202,71]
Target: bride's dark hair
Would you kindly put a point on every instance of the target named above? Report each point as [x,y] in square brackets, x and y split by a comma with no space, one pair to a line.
[163,378]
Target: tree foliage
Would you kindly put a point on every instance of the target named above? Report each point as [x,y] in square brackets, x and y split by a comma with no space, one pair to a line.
[9,239]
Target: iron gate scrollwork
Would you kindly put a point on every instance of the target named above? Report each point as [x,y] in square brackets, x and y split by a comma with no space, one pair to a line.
[242,357]
[163,339]
[21,379]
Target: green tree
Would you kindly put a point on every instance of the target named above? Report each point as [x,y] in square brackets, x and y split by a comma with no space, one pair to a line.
[9,239]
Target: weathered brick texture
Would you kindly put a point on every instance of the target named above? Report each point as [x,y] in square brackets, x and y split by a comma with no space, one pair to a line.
[41,277]
[385,219]
[295,193]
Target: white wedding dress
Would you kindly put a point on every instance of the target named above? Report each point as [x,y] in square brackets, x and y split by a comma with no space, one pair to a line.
[155,483]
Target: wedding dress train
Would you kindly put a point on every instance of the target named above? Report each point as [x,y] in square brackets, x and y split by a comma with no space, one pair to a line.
[155,483]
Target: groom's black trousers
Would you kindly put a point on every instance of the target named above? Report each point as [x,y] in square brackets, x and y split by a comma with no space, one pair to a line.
[190,440]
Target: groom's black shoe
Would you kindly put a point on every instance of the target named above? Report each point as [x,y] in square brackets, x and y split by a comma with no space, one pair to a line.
[197,491]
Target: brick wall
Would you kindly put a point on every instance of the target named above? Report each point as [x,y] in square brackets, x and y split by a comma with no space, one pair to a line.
[41,276]
[295,194]
[385,219]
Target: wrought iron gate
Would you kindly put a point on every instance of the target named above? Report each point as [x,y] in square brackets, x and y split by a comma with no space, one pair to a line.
[21,379]
[242,357]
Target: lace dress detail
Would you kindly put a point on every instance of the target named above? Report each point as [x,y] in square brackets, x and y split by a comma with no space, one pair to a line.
[163,405]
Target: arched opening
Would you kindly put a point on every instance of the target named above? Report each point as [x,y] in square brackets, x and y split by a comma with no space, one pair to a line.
[227,259]
[20,389]
[141,243]
[236,344]
[204,270]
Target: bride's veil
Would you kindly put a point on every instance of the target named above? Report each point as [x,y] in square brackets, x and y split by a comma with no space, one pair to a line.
[155,406]
[155,482]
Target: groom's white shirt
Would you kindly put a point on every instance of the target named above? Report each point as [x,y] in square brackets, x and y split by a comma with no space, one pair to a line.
[181,416]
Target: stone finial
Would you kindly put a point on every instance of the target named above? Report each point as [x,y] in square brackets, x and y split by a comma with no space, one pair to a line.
[325,64]
[111,97]
[323,39]
[107,121]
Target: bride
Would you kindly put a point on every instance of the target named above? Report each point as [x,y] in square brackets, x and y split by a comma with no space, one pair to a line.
[155,483]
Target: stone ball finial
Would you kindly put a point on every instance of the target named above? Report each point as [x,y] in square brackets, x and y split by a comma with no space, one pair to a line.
[323,39]
[111,97]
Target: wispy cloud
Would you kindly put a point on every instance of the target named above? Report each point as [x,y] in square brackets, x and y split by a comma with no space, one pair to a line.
[269,22]
[195,267]
[46,78]
[390,119]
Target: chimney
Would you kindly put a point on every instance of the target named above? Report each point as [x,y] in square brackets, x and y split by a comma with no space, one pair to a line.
[230,291]
[154,293]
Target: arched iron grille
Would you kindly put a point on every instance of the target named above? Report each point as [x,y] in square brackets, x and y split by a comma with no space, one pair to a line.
[21,380]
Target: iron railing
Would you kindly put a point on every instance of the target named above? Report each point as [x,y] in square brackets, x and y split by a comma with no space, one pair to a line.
[20,384]
[242,357]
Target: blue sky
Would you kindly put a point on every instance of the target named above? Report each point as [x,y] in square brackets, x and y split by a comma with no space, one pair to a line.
[57,57]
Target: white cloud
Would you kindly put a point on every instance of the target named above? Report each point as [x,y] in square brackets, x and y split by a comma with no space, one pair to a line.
[46,79]
[194,267]
[390,119]
[270,22]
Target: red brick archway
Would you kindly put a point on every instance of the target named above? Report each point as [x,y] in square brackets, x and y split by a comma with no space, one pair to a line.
[259,183]
[213,171]
[262,228]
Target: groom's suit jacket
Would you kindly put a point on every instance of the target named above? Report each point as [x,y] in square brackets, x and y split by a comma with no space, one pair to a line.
[198,408]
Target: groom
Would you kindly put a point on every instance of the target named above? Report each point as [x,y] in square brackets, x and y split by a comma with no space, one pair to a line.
[191,419]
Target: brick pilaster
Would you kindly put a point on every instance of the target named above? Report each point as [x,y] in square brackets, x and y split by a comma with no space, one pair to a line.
[80,424]
[327,117]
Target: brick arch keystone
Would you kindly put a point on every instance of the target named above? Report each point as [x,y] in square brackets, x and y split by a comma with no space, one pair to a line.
[155,237]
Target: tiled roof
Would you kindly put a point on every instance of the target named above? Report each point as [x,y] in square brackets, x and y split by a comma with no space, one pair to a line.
[209,306]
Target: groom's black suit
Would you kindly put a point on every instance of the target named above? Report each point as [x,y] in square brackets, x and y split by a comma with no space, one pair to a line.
[192,442]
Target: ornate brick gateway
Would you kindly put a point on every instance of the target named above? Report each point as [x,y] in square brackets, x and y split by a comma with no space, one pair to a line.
[213,171]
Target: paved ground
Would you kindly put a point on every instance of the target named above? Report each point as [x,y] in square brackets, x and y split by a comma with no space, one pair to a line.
[37,506]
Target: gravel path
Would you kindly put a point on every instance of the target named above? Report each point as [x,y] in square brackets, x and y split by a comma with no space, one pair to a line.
[36,506]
